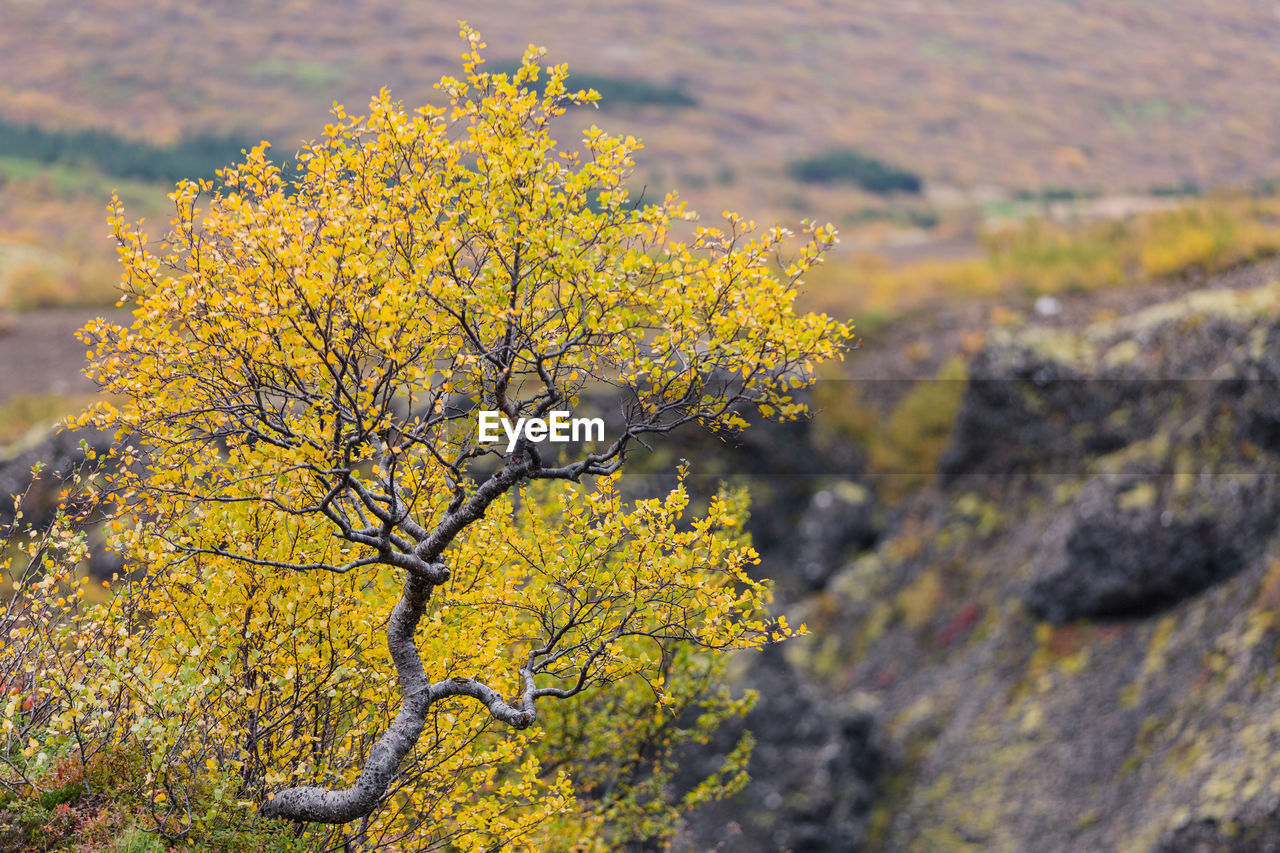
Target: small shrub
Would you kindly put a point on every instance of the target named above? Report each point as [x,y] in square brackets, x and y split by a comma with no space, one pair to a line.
[633,91]
[1187,188]
[1210,234]
[196,157]
[1177,251]
[33,286]
[1054,193]
[66,794]
[846,165]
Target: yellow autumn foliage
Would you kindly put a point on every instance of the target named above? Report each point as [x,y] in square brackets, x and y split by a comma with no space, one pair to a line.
[338,593]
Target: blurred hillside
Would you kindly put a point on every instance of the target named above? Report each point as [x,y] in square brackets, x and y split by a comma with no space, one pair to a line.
[1095,93]
[912,127]
[1042,588]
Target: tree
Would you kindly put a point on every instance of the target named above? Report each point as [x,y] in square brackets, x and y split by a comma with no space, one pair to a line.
[298,402]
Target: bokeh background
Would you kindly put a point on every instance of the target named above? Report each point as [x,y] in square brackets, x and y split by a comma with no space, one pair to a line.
[1031,525]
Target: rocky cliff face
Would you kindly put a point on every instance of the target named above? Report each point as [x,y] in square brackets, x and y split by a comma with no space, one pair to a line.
[1068,640]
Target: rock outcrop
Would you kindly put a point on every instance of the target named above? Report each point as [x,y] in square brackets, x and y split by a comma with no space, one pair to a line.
[1067,641]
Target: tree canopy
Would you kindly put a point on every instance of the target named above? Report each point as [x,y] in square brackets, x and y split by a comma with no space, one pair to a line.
[348,609]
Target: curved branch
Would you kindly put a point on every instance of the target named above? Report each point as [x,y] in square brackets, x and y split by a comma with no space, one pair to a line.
[323,805]
[518,716]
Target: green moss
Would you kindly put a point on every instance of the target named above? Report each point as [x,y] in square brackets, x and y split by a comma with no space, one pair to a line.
[860,580]
[1243,306]
[135,840]
[983,516]
[1120,418]
[1123,353]
[1258,343]
[66,794]
[944,839]
[1111,343]
[873,629]
[1066,492]
[907,450]
[1137,497]
[1061,346]
[1183,758]
[1153,449]
[850,492]
[918,603]
[821,655]
[1154,660]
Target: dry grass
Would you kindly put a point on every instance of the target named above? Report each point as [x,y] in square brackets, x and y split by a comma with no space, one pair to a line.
[1205,236]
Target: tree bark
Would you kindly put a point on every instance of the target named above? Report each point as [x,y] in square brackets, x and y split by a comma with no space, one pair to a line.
[417,695]
[322,805]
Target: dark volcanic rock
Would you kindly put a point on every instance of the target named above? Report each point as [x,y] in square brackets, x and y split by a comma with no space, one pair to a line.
[1119,479]
[1024,412]
[815,773]
[1131,551]
[840,519]
[1208,836]
[1256,391]
[1118,567]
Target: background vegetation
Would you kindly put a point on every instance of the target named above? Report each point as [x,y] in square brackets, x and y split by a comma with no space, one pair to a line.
[112,154]
[853,167]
